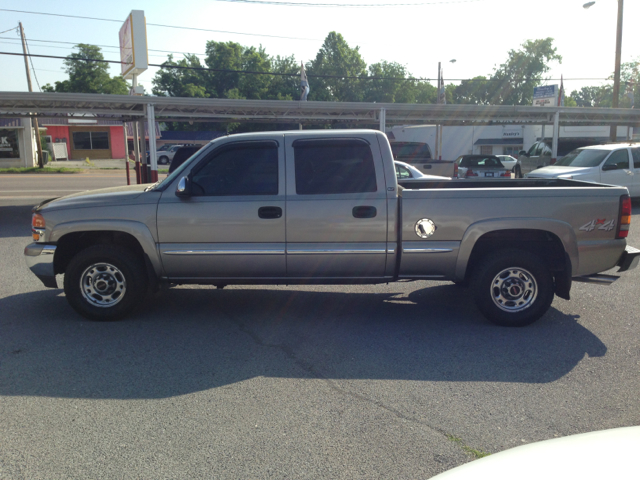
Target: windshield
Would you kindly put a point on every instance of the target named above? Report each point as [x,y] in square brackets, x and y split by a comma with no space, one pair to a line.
[582,158]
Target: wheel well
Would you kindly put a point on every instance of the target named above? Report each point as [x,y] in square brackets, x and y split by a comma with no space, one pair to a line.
[72,243]
[540,242]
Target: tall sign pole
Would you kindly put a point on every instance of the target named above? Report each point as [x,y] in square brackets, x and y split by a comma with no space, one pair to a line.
[437,149]
[34,121]
[616,72]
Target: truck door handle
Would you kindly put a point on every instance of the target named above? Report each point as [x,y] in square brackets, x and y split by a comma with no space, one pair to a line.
[270,212]
[364,211]
[426,167]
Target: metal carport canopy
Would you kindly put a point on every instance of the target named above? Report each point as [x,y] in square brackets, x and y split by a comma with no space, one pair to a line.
[130,108]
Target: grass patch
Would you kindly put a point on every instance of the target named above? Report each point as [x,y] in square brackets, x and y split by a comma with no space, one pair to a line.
[40,170]
[471,451]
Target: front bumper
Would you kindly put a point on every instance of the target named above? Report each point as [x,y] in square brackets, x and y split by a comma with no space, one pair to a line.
[39,258]
[629,259]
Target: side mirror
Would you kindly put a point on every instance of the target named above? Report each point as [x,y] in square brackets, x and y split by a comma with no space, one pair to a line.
[606,168]
[184,187]
[522,152]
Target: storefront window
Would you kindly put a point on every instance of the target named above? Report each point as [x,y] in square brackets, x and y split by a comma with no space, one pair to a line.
[486,150]
[9,147]
[91,140]
[513,151]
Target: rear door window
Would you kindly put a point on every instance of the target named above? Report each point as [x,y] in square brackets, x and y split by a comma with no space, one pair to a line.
[635,153]
[619,158]
[333,166]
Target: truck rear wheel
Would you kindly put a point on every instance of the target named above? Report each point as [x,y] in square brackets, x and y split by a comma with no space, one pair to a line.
[105,282]
[512,288]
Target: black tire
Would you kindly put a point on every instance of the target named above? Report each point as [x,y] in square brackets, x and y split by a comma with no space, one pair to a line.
[512,288]
[163,160]
[113,278]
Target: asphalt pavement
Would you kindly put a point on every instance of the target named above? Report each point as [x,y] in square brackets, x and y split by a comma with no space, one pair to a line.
[404,380]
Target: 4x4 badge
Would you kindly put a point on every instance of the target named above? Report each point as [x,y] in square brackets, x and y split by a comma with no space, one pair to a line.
[600,224]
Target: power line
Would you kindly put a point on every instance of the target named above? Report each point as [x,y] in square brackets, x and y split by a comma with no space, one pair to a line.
[71,48]
[161,25]
[106,46]
[277,74]
[346,5]
[14,28]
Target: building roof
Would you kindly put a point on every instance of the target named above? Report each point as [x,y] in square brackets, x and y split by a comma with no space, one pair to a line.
[187,137]
[498,141]
[129,107]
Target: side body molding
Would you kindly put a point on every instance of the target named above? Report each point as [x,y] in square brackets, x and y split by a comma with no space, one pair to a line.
[562,230]
[136,229]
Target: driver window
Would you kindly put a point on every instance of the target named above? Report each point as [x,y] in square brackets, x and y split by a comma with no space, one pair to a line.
[239,170]
[532,151]
[619,158]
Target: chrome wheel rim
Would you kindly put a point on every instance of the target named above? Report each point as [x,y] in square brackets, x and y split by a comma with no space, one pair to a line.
[514,289]
[103,285]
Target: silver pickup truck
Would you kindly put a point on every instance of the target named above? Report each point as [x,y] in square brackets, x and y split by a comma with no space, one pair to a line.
[324,207]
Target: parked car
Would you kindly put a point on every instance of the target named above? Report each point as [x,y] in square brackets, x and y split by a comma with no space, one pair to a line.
[588,456]
[540,153]
[481,166]
[165,156]
[419,155]
[409,173]
[613,164]
[511,163]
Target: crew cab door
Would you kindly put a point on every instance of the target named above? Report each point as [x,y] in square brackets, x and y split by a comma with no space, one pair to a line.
[617,169]
[336,208]
[233,223]
[635,189]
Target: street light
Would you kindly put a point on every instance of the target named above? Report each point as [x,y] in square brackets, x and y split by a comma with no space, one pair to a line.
[616,72]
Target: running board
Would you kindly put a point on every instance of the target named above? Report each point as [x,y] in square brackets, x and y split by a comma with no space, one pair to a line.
[597,279]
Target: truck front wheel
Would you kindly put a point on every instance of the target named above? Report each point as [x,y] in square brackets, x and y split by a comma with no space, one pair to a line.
[105,282]
[512,288]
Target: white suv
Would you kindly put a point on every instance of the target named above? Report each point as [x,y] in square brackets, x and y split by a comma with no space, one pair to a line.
[613,164]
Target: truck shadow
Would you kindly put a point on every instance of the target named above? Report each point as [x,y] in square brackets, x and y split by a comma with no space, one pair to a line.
[195,339]
[16,221]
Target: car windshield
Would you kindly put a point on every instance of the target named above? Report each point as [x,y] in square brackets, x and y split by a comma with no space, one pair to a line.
[582,157]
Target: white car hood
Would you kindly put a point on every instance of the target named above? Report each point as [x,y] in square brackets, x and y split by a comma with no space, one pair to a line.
[554,172]
[599,455]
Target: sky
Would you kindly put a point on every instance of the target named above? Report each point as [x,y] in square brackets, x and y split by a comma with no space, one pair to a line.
[478,34]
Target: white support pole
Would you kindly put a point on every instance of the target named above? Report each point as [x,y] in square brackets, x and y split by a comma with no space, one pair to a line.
[556,133]
[383,119]
[151,122]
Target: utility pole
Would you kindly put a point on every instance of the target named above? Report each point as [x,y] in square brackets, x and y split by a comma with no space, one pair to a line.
[616,72]
[34,121]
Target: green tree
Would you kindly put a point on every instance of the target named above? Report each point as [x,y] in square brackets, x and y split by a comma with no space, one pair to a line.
[512,82]
[88,76]
[474,91]
[597,96]
[328,73]
[181,79]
